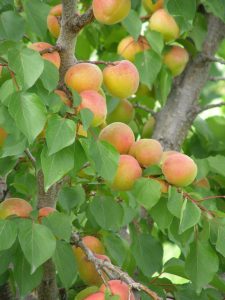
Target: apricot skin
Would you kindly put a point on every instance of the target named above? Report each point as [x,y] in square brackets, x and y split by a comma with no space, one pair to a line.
[121,79]
[176,60]
[63,97]
[119,135]
[120,288]
[52,21]
[164,185]
[179,170]
[124,112]
[111,11]
[127,173]
[95,103]
[166,154]
[84,76]
[161,21]
[147,152]
[148,128]
[96,296]
[44,212]
[150,6]
[52,57]
[86,269]
[128,47]
[15,206]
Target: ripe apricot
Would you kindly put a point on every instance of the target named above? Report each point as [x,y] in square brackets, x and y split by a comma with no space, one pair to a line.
[53,20]
[15,206]
[124,112]
[111,11]
[119,288]
[179,170]
[63,97]
[152,7]
[176,60]
[119,135]
[121,79]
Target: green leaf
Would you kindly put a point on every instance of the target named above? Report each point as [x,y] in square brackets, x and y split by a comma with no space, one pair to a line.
[133,24]
[56,165]
[183,8]
[12,26]
[86,118]
[107,213]
[155,39]
[60,133]
[220,244]
[27,65]
[146,192]
[71,197]
[37,243]
[36,15]
[148,254]
[190,215]
[216,164]
[29,114]
[175,202]
[22,273]
[201,264]
[8,234]
[161,214]
[65,263]
[15,144]
[50,76]
[116,248]
[63,231]
[6,89]
[105,158]
[163,85]
[148,64]
[217,7]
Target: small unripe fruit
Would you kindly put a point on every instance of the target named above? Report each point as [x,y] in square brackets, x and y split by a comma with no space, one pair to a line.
[96,104]
[87,269]
[15,206]
[3,136]
[176,60]
[111,11]
[161,21]
[119,135]
[52,20]
[121,79]
[96,296]
[202,183]
[148,128]
[119,288]
[147,152]
[63,97]
[52,57]
[127,173]
[124,112]
[179,170]
[152,7]
[84,76]
[128,47]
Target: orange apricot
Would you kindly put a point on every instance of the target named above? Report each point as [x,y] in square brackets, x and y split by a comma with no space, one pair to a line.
[15,206]
[152,7]
[176,60]
[53,20]
[119,288]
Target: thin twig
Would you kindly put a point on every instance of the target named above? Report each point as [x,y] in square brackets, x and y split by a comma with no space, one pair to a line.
[97,62]
[31,157]
[83,20]
[51,49]
[145,108]
[145,18]
[215,59]
[217,78]
[111,270]
[210,106]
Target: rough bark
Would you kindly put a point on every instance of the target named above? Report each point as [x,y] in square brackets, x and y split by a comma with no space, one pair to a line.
[176,117]
[5,292]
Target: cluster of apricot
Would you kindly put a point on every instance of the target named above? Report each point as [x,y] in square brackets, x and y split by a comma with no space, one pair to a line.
[177,168]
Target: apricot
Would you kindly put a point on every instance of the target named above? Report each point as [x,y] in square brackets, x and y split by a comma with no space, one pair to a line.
[96,296]
[164,185]
[95,103]
[128,47]
[150,6]
[147,152]
[176,60]
[124,112]
[3,136]
[15,206]
[86,292]
[63,97]
[179,170]
[120,288]
[84,76]
[52,57]
[202,183]
[86,269]
[111,11]
[161,21]
[127,173]
[148,128]
[121,79]
[53,20]
[44,212]
[167,154]
[119,135]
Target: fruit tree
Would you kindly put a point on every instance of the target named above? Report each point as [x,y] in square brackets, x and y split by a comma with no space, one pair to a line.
[112,149]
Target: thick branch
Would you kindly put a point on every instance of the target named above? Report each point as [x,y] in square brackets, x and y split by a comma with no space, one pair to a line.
[113,272]
[215,59]
[175,119]
[83,20]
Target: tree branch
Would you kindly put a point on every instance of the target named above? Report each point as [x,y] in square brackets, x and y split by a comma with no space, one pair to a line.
[210,106]
[113,272]
[216,78]
[82,20]
[176,117]
[31,157]
[145,108]
[214,59]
